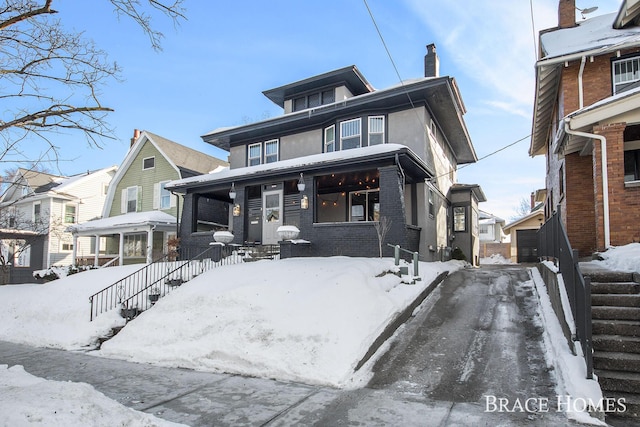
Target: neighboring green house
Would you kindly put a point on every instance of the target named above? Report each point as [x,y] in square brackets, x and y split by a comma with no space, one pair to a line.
[139,216]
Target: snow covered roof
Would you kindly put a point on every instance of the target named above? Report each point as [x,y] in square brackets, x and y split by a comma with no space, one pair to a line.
[592,37]
[124,221]
[305,163]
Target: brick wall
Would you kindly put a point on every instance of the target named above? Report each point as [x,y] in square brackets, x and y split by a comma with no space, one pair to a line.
[502,249]
[579,217]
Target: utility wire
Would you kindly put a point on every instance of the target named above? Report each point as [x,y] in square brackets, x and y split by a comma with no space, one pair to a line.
[494,152]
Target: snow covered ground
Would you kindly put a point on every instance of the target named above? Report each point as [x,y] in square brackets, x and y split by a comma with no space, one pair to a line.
[621,258]
[309,320]
[495,259]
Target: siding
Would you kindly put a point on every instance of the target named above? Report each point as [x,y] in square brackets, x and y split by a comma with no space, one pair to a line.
[135,176]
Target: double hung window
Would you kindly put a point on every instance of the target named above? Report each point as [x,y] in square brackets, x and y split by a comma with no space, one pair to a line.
[255,154]
[330,139]
[350,132]
[271,151]
[376,130]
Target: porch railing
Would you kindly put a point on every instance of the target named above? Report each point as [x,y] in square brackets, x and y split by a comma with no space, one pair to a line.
[141,289]
[553,244]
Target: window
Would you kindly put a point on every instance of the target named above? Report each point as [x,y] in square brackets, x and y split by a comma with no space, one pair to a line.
[135,245]
[255,154]
[36,212]
[314,99]
[130,200]
[364,205]
[271,151]
[330,139]
[432,211]
[631,165]
[148,163]
[22,256]
[350,134]
[484,229]
[70,214]
[459,218]
[376,130]
[165,196]
[25,190]
[626,74]
[67,247]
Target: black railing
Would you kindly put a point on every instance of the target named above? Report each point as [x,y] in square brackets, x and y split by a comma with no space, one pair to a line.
[553,244]
[141,289]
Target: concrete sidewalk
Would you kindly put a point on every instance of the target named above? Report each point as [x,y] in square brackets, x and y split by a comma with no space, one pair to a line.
[422,390]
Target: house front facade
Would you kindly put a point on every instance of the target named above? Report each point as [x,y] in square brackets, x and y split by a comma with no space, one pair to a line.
[138,220]
[342,160]
[48,205]
[587,124]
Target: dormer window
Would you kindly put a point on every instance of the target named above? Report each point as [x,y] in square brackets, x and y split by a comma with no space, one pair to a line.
[314,99]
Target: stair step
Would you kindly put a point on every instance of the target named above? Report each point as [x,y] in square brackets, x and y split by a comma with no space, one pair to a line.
[616,327]
[607,276]
[631,404]
[615,288]
[615,300]
[617,361]
[626,382]
[615,313]
[616,343]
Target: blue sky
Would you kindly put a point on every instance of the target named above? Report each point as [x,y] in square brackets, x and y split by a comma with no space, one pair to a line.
[214,67]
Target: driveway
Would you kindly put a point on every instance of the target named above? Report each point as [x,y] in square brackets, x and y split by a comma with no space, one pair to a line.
[473,338]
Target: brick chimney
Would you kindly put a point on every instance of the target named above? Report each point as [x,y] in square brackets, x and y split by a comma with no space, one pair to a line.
[431,62]
[566,13]
[136,135]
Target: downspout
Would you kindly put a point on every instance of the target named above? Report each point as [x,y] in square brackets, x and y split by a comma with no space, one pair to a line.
[580,87]
[605,179]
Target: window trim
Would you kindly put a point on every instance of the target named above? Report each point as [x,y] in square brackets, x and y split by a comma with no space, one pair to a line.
[276,142]
[463,212]
[127,199]
[369,133]
[75,213]
[333,141]
[144,159]
[33,212]
[160,189]
[619,61]
[359,135]
[69,245]
[259,157]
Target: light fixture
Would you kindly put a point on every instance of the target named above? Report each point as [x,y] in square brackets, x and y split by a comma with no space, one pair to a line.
[232,192]
[304,202]
[236,210]
[586,10]
[301,185]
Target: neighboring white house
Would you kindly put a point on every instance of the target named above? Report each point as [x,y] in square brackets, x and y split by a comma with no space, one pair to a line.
[48,204]
[490,228]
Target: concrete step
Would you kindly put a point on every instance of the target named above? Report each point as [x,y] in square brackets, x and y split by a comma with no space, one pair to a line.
[617,361]
[625,382]
[616,327]
[631,408]
[615,288]
[607,275]
[615,300]
[619,343]
[615,313]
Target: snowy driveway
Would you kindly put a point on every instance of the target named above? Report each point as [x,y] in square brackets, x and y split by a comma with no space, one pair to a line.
[475,336]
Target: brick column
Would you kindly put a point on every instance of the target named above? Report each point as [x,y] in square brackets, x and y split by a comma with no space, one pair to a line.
[614,133]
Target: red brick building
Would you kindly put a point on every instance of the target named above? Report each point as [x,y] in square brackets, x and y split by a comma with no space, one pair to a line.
[587,124]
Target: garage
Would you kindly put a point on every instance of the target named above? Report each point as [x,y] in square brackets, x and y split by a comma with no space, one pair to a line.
[527,245]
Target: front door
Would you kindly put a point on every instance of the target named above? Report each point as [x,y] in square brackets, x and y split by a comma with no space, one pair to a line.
[272,216]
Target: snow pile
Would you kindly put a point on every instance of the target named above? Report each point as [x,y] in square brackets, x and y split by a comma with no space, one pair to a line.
[56,314]
[622,258]
[495,259]
[305,319]
[26,399]
[571,371]
[301,319]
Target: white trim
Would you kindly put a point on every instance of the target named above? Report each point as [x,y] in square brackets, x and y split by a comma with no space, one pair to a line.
[33,211]
[147,158]
[64,213]
[277,144]
[259,157]
[359,134]
[333,141]
[369,133]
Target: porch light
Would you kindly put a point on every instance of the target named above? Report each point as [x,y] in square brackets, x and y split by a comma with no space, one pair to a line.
[232,192]
[304,203]
[236,210]
[301,185]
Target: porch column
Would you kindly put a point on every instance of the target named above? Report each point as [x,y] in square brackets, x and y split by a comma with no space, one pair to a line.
[74,251]
[96,248]
[150,246]
[121,249]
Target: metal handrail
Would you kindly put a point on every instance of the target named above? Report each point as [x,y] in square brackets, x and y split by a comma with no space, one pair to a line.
[553,244]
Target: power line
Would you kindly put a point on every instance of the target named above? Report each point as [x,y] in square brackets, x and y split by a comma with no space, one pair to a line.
[496,152]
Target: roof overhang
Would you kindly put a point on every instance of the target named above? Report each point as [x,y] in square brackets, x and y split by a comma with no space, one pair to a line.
[440,95]
[348,76]
[413,167]
[127,223]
